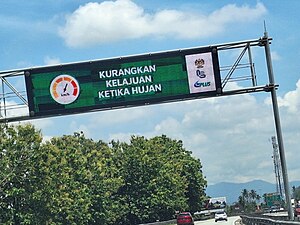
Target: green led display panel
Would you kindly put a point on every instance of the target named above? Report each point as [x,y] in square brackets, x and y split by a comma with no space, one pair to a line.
[123,82]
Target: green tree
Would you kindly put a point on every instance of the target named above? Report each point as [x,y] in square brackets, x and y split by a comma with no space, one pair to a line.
[296,193]
[75,180]
[160,177]
[65,178]
[18,146]
[80,181]
[254,196]
[248,200]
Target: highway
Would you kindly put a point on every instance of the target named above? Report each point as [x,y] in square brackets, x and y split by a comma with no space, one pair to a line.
[230,221]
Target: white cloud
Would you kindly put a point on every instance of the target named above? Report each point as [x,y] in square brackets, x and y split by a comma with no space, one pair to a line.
[291,100]
[275,56]
[120,116]
[230,135]
[51,60]
[169,124]
[109,21]
[12,109]
[218,131]
[23,64]
[231,13]
[123,137]
[42,123]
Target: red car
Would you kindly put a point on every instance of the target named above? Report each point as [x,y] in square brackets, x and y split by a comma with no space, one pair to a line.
[297,210]
[185,218]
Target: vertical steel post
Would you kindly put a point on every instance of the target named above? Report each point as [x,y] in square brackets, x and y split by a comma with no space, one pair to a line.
[278,126]
[3,101]
[253,76]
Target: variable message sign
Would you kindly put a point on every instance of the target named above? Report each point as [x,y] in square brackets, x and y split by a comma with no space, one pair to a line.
[123,82]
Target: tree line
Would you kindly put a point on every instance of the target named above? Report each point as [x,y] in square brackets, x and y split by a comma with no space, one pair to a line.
[248,201]
[296,193]
[76,180]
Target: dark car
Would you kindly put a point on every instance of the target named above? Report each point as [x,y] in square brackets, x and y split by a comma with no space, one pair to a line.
[185,218]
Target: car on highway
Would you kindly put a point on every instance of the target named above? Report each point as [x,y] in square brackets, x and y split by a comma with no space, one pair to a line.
[276,208]
[297,210]
[220,215]
[185,218]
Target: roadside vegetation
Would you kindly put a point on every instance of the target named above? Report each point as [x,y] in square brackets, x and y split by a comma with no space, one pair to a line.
[296,193]
[76,180]
[248,201]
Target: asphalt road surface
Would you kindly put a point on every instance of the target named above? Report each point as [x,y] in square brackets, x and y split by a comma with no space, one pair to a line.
[230,221]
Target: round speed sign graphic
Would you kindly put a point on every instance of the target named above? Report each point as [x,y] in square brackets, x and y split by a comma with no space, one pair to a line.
[64,89]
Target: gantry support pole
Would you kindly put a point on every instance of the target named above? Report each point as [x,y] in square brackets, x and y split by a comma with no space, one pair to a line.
[265,42]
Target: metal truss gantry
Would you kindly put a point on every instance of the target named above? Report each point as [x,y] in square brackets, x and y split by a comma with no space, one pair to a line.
[9,91]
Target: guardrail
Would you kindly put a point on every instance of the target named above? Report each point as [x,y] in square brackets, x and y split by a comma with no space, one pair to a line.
[161,223]
[253,220]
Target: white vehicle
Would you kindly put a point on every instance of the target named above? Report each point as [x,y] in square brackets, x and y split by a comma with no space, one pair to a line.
[220,215]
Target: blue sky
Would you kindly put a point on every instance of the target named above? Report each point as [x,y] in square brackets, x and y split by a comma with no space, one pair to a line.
[231,135]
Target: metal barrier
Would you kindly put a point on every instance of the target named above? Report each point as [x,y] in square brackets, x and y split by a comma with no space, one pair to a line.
[251,220]
[161,223]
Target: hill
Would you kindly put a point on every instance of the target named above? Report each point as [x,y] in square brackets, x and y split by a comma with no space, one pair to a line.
[233,190]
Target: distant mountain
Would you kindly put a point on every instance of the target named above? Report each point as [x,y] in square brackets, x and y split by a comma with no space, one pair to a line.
[233,190]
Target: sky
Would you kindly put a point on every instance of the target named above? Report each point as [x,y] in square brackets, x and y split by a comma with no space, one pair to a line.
[230,135]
